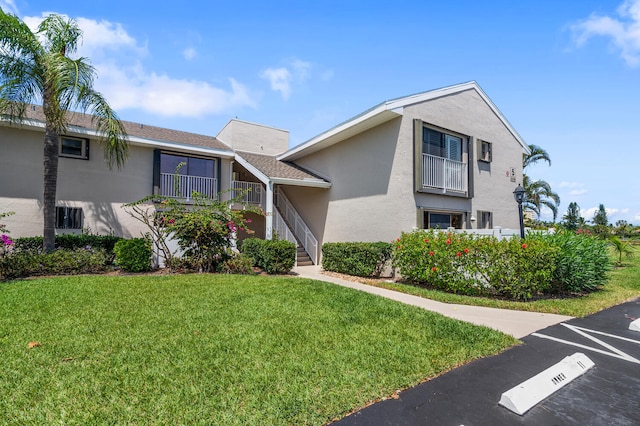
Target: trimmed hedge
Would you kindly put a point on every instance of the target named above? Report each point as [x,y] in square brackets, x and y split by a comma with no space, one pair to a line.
[273,256]
[512,268]
[58,262]
[133,255]
[69,242]
[357,258]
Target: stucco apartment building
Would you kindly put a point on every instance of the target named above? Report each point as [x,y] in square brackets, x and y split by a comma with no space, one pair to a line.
[442,158]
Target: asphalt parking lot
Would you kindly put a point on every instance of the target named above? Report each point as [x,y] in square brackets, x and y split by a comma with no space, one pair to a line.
[607,394]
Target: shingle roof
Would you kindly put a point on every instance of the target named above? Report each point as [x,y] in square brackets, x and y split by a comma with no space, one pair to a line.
[144,131]
[273,168]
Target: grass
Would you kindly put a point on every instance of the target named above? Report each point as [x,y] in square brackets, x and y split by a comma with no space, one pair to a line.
[623,285]
[214,349]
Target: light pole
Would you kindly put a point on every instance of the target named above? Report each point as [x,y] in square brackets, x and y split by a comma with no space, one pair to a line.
[518,194]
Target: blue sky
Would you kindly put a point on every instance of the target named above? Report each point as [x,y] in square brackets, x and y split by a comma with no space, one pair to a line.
[566,74]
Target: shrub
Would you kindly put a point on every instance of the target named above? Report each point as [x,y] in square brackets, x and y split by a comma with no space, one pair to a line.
[520,270]
[273,256]
[582,262]
[238,264]
[205,229]
[475,265]
[70,242]
[251,247]
[357,258]
[133,255]
[59,262]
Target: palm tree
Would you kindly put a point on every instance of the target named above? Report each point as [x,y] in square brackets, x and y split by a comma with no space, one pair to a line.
[536,154]
[621,247]
[36,67]
[538,193]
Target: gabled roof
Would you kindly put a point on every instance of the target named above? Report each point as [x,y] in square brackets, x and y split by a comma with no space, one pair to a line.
[384,112]
[268,168]
[140,134]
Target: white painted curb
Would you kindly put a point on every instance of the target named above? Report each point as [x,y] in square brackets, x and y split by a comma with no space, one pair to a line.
[523,397]
[635,325]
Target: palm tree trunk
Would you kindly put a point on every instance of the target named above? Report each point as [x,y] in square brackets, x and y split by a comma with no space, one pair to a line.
[50,184]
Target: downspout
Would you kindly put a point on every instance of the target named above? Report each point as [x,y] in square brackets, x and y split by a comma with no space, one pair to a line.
[269,212]
[231,194]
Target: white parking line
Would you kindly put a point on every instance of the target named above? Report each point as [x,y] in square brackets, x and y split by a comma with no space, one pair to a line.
[615,352]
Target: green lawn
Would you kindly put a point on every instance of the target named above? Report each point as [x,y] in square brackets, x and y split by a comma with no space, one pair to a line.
[623,285]
[213,349]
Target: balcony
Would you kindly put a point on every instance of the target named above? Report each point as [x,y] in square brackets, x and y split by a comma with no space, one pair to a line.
[183,186]
[249,192]
[444,174]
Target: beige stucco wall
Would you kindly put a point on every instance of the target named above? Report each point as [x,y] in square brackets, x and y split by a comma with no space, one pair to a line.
[88,184]
[467,113]
[372,196]
[244,136]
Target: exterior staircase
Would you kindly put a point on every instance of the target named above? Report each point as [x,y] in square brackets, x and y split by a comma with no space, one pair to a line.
[302,257]
[289,226]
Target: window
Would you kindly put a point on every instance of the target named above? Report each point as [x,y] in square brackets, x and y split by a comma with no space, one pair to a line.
[441,144]
[437,220]
[191,166]
[176,175]
[484,151]
[68,218]
[74,147]
[485,220]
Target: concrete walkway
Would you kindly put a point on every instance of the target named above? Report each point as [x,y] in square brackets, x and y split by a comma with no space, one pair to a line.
[516,323]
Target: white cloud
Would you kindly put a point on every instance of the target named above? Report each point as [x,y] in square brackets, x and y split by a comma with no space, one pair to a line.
[294,73]
[123,79]
[279,79]
[189,53]
[588,214]
[565,184]
[9,6]
[577,192]
[623,30]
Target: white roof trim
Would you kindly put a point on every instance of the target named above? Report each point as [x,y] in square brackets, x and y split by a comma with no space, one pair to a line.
[316,183]
[386,111]
[253,170]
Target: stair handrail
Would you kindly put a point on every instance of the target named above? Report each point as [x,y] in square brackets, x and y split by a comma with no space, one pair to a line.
[281,228]
[299,227]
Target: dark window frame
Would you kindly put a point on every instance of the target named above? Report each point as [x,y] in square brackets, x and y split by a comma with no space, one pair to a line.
[69,217]
[66,150]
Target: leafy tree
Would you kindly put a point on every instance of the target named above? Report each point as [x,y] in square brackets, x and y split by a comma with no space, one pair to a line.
[623,228]
[600,222]
[572,219]
[538,193]
[35,66]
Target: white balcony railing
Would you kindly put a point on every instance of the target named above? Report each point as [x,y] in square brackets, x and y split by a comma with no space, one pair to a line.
[183,186]
[300,229]
[252,192]
[442,173]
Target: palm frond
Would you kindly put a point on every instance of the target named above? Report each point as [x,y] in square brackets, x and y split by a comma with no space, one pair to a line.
[112,133]
[536,154]
[61,34]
